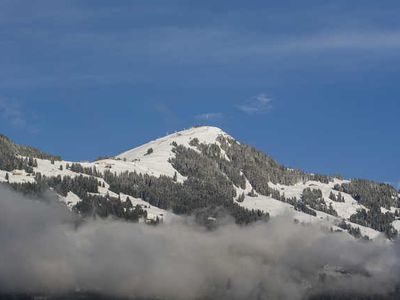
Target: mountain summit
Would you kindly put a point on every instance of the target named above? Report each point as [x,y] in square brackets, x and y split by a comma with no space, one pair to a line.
[161,149]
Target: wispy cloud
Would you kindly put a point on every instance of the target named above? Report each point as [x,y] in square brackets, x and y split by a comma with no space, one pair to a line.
[167,114]
[353,40]
[209,116]
[160,46]
[235,41]
[12,113]
[256,105]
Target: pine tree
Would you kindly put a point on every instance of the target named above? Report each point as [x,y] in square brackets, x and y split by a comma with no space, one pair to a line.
[149,151]
[241,197]
[175,178]
[340,197]
[128,203]
[7,177]
[252,193]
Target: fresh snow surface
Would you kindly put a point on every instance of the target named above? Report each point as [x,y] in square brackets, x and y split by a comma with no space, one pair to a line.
[70,200]
[16,176]
[277,208]
[152,211]
[396,225]
[344,209]
[45,167]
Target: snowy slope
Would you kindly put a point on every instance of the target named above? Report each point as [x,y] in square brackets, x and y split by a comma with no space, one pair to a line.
[157,163]
[344,209]
[152,211]
[16,176]
[276,208]
[70,200]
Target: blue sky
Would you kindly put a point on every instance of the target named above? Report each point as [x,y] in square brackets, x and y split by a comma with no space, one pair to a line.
[315,84]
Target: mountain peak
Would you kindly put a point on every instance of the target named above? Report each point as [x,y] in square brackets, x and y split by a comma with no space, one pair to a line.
[200,131]
[205,134]
[153,157]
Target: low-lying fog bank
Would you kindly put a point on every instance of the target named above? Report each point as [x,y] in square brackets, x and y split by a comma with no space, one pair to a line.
[44,249]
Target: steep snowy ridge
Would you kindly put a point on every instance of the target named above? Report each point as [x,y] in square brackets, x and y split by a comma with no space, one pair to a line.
[153,159]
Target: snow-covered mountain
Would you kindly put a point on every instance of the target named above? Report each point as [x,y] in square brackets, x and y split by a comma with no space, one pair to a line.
[162,175]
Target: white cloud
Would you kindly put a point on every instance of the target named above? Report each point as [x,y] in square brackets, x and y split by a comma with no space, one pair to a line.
[12,113]
[257,104]
[209,116]
[167,114]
